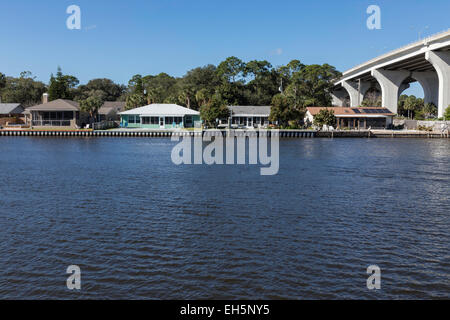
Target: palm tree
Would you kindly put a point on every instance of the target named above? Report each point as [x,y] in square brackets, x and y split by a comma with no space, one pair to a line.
[91,106]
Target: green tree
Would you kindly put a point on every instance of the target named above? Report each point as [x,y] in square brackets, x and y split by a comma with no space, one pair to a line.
[195,80]
[216,108]
[231,69]
[91,106]
[290,69]
[430,110]
[172,99]
[447,114]
[401,105]
[185,97]
[105,88]
[24,90]
[203,96]
[263,82]
[285,74]
[284,110]
[202,77]
[232,93]
[136,93]
[135,101]
[62,86]
[257,70]
[312,85]
[155,95]
[2,81]
[159,87]
[325,117]
[412,104]
[136,85]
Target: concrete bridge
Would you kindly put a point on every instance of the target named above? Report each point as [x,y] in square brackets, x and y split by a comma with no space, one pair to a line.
[426,61]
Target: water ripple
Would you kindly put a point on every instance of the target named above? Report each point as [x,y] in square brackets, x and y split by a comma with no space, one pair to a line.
[142,228]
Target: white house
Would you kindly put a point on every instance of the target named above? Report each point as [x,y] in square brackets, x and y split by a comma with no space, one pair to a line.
[159,116]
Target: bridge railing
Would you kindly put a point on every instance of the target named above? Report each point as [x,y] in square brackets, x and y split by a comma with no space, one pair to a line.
[427,39]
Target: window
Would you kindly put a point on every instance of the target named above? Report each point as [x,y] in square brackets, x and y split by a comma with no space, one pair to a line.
[169,120]
[150,120]
[67,115]
[131,119]
[178,120]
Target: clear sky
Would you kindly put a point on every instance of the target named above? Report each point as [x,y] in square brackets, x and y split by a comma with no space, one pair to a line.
[121,38]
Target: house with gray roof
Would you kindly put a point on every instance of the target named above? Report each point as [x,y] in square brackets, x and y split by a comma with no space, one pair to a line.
[57,113]
[9,110]
[110,111]
[250,116]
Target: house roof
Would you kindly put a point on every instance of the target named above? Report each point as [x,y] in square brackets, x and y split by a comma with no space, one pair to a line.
[56,105]
[262,111]
[353,112]
[11,108]
[161,110]
[112,106]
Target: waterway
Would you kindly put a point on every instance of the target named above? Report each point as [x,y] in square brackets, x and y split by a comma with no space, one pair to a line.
[141,227]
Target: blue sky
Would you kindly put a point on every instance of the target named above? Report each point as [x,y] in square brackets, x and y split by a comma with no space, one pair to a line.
[121,38]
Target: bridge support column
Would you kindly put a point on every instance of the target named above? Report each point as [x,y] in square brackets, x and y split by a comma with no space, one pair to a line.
[403,87]
[339,97]
[352,89]
[390,82]
[441,62]
[430,84]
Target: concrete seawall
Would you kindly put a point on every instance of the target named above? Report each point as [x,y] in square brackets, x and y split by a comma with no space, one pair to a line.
[161,134]
[380,134]
[280,133]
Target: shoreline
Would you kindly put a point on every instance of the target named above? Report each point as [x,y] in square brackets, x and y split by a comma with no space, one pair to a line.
[279,133]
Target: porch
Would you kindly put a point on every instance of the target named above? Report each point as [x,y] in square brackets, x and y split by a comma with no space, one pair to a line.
[54,118]
[362,123]
[158,122]
[250,121]
[58,113]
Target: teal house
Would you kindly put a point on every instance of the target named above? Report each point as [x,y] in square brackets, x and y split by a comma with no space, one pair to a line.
[160,116]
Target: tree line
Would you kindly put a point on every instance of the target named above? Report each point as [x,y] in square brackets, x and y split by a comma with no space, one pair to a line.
[415,108]
[209,89]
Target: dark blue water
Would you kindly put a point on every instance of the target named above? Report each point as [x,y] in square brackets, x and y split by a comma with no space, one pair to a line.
[140,227]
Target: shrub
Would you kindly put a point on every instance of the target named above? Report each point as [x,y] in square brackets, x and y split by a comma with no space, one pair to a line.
[325,117]
[447,114]
[419,115]
[424,128]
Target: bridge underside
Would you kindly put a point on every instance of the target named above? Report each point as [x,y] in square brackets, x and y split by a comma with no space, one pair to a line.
[430,68]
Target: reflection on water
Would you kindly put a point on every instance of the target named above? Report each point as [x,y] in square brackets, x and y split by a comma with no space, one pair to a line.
[142,228]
